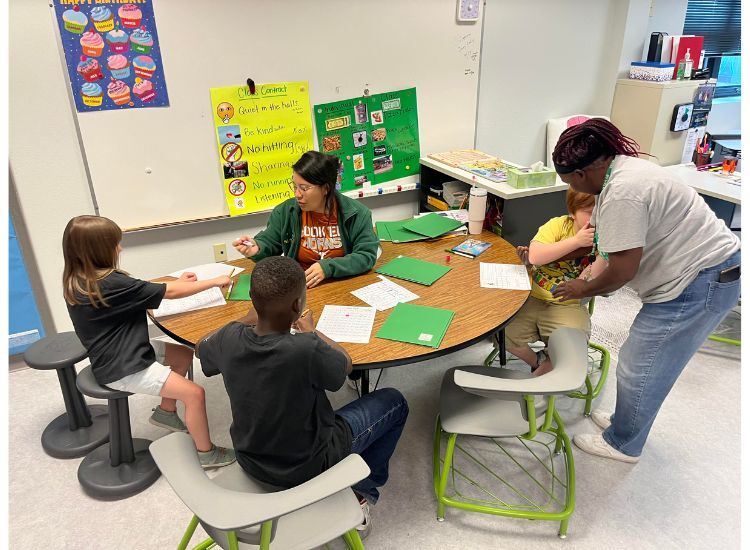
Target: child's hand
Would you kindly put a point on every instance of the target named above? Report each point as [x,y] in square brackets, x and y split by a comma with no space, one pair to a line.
[246,246]
[585,237]
[306,323]
[223,280]
[523,254]
[187,276]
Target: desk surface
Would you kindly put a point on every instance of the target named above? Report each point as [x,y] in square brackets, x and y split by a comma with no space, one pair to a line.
[712,184]
[478,311]
[499,189]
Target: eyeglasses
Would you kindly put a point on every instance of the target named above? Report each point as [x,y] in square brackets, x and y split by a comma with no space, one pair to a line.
[300,188]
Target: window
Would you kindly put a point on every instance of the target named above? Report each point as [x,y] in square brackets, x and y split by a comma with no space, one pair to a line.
[718,22]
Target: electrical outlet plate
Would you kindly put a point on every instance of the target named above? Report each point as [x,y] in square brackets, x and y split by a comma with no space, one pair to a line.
[220,252]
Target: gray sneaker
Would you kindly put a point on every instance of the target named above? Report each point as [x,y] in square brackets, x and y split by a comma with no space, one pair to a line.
[216,457]
[167,420]
[365,527]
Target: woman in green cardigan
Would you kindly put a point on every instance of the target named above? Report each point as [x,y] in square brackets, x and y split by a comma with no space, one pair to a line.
[329,234]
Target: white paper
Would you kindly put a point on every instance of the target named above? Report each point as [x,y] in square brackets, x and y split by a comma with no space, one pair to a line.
[209,271]
[384,295]
[691,141]
[505,276]
[458,215]
[347,323]
[208,298]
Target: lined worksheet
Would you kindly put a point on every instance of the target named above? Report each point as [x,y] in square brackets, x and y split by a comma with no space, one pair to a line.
[208,298]
[347,323]
[505,276]
[384,294]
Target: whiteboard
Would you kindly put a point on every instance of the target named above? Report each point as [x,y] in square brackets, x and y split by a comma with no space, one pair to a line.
[160,165]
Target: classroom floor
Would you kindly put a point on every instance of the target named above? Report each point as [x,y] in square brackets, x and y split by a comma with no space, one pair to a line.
[684,493]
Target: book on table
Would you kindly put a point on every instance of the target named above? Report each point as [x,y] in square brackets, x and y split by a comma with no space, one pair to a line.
[471,247]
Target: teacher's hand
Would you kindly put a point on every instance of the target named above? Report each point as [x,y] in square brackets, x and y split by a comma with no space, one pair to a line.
[314,275]
[570,290]
[246,246]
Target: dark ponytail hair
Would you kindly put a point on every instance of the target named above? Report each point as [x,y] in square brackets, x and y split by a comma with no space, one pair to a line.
[319,169]
[584,143]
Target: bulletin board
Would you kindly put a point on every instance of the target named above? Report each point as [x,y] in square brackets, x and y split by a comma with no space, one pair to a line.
[149,167]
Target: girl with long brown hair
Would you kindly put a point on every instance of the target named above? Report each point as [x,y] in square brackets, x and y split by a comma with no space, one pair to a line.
[108,311]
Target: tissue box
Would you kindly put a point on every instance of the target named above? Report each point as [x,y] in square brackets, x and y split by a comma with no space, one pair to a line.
[651,70]
[521,178]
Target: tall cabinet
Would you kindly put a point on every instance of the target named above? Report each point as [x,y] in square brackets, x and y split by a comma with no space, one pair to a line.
[643,111]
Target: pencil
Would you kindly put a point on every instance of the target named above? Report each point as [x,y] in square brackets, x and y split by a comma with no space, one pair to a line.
[230,290]
[460,253]
[305,312]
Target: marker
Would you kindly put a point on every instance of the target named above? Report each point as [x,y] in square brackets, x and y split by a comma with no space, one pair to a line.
[448,259]
[247,243]
[459,253]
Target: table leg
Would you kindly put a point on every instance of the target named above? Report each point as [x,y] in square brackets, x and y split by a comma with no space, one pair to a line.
[500,335]
[364,383]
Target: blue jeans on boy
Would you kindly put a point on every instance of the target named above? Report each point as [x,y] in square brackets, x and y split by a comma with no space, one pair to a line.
[376,420]
[662,340]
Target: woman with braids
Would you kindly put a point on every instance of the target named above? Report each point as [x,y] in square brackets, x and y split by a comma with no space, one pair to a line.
[661,239]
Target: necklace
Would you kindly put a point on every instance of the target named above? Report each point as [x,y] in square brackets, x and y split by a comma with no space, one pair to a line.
[595,248]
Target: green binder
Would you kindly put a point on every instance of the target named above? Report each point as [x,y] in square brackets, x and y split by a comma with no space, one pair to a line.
[413,324]
[394,231]
[411,269]
[432,225]
[241,289]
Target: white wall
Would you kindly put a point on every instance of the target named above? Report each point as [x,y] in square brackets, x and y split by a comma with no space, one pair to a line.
[551,58]
[50,178]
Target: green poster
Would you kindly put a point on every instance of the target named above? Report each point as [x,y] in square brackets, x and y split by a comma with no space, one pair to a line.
[375,137]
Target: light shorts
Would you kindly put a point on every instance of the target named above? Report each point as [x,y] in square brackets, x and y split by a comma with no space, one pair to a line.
[150,380]
[537,319]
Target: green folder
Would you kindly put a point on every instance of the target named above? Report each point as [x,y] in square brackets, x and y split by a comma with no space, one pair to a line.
[422,325]
[394,231]
[432,225]
[241,289]
[411,269]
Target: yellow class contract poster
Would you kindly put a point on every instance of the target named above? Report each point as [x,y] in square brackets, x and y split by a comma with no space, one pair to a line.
[259,137]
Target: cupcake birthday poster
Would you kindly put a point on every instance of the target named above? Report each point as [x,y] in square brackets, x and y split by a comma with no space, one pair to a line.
[112,52]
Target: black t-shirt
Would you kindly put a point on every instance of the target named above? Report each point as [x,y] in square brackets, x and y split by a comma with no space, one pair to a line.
[284,429]
[116,335]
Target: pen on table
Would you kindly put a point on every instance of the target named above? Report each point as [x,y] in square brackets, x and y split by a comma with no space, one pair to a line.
[230,290]
[459,253]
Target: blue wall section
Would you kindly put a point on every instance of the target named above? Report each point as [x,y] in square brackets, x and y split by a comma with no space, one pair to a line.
[24,324]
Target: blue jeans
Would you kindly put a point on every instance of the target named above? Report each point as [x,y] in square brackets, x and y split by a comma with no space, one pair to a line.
[662,340]
[376,420]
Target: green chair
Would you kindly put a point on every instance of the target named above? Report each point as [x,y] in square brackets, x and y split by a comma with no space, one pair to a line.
[492,413]
[596,375]
[238,512]
[598,369]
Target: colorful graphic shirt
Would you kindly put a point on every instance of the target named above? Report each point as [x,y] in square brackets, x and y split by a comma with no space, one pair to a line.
[321,237]
[546,277]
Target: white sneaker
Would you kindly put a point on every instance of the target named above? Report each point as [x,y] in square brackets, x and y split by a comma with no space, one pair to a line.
[352,384]
[365,527]
[594,444]
[602,419]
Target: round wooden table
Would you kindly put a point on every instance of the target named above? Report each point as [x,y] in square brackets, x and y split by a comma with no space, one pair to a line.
[479,312]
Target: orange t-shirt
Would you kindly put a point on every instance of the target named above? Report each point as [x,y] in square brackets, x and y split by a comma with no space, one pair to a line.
[321,237]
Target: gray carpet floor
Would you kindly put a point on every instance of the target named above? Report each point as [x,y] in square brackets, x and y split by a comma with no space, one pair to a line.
[684,493]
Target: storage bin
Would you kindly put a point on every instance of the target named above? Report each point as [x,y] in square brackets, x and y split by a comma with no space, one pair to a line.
[524,178]
[650,70]
[455,192]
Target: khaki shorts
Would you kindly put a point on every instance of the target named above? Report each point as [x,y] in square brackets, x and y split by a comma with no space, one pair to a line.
[537,319]
[150,380]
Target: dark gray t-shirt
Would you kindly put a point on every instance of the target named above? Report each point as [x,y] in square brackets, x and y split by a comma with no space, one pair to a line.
[116,335]
[645,205]
[283,429]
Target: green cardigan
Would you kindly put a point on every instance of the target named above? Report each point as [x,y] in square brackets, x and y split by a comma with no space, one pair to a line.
[282,236]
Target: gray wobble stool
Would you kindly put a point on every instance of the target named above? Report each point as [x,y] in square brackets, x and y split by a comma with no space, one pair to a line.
[124,466]
[81,428]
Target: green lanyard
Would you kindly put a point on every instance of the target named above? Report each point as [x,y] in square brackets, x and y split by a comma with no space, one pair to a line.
[595,249]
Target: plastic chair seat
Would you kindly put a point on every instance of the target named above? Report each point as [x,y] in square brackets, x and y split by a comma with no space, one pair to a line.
[89,386]
[55,352]
[462,412]
[306,528]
